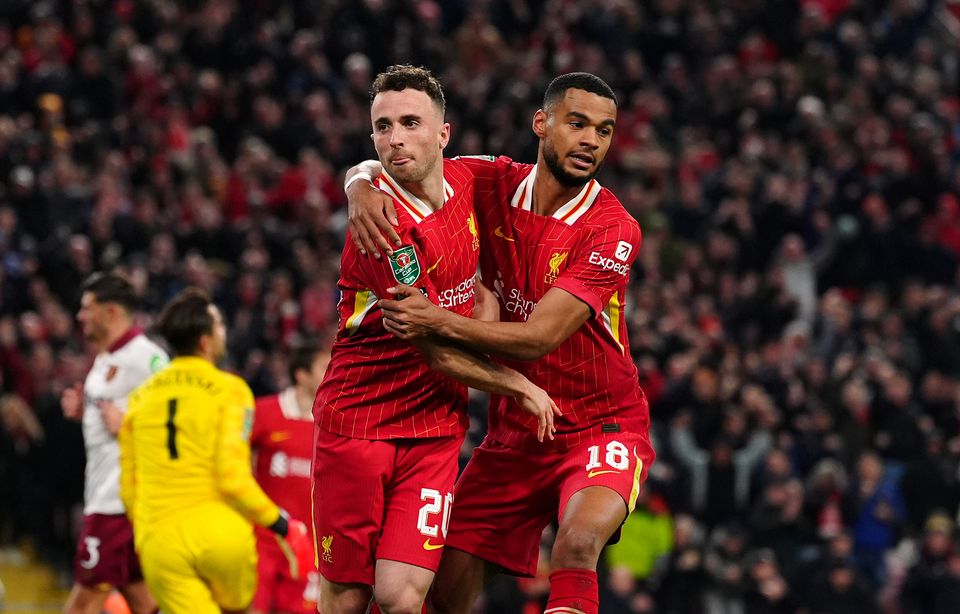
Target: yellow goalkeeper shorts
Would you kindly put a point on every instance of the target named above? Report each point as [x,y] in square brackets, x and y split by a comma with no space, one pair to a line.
[202,561]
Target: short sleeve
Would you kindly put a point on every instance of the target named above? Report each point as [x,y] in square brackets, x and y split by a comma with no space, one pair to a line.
[602,263]
[407,265]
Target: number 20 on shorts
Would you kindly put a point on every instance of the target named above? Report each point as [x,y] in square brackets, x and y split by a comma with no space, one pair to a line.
[435,503]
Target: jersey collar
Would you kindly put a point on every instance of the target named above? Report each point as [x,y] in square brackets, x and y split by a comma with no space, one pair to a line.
[570,212]
[289,406]
[417,209]
[124,339]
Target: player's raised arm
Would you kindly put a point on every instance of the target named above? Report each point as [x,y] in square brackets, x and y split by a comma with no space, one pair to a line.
[371,213]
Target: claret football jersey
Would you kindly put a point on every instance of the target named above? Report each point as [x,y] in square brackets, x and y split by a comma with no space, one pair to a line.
[378,386]
[585,248]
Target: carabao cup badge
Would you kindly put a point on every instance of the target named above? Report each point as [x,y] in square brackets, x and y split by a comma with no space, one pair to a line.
[406,267]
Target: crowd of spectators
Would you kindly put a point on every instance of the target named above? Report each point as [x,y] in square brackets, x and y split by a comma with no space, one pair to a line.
[794,312]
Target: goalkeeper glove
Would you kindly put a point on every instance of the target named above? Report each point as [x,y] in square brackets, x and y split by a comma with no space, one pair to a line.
[295,543]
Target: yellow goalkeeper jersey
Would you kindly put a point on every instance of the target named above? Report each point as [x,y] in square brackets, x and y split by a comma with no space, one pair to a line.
[185,443]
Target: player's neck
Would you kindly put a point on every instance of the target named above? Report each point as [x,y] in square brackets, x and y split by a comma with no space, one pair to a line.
[305,400]
[548,193]
[429,190]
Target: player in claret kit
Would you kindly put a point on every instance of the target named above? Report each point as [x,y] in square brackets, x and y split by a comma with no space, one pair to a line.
[126,357]
[557,249]
[186,478]
[390,425]
[282,441]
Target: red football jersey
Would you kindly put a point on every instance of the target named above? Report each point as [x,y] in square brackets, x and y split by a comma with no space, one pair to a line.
[378,386]
[283,443]
[586,248]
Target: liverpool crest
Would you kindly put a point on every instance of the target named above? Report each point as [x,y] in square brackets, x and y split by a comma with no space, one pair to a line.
[556,261]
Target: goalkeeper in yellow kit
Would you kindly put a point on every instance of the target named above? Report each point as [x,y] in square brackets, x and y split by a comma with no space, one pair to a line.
[186,476]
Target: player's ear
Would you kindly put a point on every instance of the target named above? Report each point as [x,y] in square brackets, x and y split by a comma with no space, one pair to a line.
[540,123]
[444,135]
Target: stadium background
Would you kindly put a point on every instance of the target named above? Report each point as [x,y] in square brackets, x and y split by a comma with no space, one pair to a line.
[795,314]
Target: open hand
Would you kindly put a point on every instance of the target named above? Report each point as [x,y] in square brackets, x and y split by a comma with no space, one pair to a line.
[536,402]
[371,216]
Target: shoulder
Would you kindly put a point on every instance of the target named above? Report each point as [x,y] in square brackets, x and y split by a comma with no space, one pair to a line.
[487,165]
[144,352]
[268,404]
[608,213]
[235,386]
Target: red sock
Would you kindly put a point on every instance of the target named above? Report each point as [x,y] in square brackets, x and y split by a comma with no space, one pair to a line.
[573,591]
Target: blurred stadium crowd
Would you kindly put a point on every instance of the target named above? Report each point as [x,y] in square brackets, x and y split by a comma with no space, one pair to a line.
[795,166]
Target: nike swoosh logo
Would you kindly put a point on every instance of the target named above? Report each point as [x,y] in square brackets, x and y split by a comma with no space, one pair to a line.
[428,546]
[593,474]
[435,264]
[498,231]
[280,436]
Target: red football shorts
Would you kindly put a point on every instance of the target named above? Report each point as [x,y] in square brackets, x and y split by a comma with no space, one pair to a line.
[276,590]
[505,497]
[376,500]
[105,556]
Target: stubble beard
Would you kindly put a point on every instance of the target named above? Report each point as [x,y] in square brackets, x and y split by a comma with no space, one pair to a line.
[564,177]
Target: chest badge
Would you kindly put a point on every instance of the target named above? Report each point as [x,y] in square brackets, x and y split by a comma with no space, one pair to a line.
[556,261]
[472,227]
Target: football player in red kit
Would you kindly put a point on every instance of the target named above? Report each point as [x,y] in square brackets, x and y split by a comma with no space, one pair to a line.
[556,247]
[282,440]
[390,422]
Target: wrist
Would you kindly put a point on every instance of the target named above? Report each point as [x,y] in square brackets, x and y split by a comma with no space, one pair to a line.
[357,177]
[281,526]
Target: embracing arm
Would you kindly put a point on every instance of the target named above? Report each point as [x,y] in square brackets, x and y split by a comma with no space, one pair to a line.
[477,371]
[370,213]
[557,316]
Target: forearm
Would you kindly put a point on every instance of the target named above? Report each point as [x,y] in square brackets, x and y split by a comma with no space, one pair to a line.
[514,340]
[244,495]
[471,368]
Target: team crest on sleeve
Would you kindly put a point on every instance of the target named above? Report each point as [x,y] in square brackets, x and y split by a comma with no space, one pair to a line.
[405,265]
[158,362]
[556,261]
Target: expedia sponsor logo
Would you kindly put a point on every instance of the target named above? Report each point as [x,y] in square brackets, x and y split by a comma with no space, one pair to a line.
[462,293]
[609,264]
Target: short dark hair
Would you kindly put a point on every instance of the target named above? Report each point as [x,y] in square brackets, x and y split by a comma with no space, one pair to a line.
[579,81]
[112,288]
[399,77]
[302,357]
[185,319]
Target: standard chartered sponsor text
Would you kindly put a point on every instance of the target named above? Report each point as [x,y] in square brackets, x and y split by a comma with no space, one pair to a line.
[458,295]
